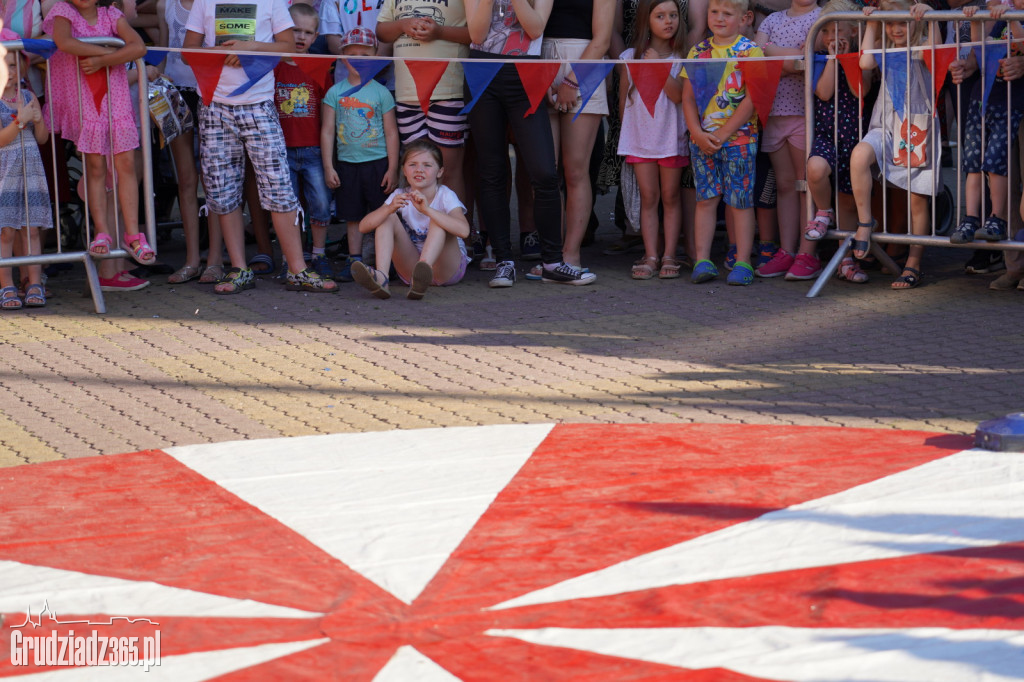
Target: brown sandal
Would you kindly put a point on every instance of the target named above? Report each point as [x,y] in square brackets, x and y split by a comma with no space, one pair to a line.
[644,268]
[669,268]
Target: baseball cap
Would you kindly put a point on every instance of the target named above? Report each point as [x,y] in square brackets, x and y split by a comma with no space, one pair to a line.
[360,35]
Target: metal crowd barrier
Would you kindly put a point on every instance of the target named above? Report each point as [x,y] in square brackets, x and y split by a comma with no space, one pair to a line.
[63,255]
[942,215]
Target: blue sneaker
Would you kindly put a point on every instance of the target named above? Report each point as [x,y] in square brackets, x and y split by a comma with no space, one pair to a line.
[321,266]
[765,253]
[742,275]
[730,257]
[703,271]
[529,245]
[345,274]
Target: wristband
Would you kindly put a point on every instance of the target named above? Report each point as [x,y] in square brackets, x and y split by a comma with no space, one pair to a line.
[571,83]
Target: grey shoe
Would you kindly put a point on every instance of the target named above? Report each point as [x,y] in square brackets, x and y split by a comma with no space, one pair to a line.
[504,275]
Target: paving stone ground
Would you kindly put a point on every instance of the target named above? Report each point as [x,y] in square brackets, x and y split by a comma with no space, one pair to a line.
[175,365]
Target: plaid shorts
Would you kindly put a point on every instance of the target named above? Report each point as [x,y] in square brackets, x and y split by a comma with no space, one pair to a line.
[228,133]
[728,173]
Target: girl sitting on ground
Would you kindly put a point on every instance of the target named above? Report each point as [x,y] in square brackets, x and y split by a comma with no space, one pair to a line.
[421,228]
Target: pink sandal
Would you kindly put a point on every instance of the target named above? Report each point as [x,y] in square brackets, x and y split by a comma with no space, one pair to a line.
[137,245]
[819,225]
[101,244]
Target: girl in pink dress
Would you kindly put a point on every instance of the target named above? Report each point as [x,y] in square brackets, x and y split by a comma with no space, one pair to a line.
[78,70]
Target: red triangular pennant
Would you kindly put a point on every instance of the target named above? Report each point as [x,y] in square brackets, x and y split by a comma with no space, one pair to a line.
[425,74]
[315,68]
[851,67]
[761,79]
[649,79]
[96,82]
[536,78]
[938,62]
[207,67]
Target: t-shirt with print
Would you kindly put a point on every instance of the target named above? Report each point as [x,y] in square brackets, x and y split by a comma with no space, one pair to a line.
[786,31]
[451,13]
[338,17]
[359,121]
[297,98]
[416,224]
[660,137]
[730,91]
[222,20]
[506,36]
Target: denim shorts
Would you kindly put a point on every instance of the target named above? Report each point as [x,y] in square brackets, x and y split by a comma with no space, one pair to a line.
[728,173]
[230,132]
[307,171]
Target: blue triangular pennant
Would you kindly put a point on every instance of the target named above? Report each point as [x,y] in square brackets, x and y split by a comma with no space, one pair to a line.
[255,67]
[819,67]
[993,53]
[591,76]
[154,57]
[705,78]
[367,69]
[896,83]
[40,47]
[478,76]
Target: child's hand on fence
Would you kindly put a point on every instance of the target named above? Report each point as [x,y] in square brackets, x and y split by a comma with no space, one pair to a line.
[91,65]
[232,59]
[970,11]
[838,46]
[918,10]
[869,10]
[1011,68]
[958,71]
[997,11]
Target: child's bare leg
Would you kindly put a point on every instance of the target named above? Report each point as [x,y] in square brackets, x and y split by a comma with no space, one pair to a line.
[319,232]
[743,223]
[96,191]
[258,217]
[671,201]
[384,244]
[234,238]
[704,220]
[355,238]
[819,182]
[920,224]
[441,250]
[215,255]
[289,238]
[127,190]
[973,191]
[998,188]
[188,198]
[649,181]
[31,245]
[787,203]
[7,235]
[861,160]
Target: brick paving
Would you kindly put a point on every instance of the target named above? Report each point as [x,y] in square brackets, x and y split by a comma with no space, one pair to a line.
[175,364]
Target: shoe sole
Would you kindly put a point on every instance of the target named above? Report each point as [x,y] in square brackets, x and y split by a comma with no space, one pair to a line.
[573,282]
[422,276]
[799,278]
[310,289]
[500,285]
[362,276]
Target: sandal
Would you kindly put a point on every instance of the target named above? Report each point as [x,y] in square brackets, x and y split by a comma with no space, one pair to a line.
[9,299]
[101,244]
[669,268]
[861,247]
[212,275]
[488,262]
[237,281]
[851,272]
[422,276]
[262,264]
[139,248]
[644,268]
[819,226]
[47,292]
[35,296]
[310,280]
[186,273]
[911,281]
[367,278]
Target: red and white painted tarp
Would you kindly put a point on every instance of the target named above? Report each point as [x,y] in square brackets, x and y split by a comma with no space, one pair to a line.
[532,552]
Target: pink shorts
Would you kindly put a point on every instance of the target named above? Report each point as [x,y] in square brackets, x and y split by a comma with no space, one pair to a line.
[669,162]
[782,129]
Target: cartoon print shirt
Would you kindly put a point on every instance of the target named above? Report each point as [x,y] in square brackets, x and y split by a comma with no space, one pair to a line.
[723,98]
[359,121]
[297,98]
[506,35]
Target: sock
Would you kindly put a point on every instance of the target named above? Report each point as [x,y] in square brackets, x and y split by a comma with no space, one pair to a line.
[319,251]
[551,266]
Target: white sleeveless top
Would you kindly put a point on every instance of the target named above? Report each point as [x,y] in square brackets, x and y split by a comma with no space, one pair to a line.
[176,16]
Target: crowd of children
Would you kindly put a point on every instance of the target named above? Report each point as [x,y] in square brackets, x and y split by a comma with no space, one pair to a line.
[409,167]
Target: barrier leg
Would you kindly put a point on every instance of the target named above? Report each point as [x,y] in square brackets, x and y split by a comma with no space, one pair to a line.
[94,284]
[830,269]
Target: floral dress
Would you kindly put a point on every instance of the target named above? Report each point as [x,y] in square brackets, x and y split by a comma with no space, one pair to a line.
[21,167]
[72,108]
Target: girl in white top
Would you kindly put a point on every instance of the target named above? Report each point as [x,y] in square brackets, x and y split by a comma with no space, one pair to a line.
[420,227]
[656,146]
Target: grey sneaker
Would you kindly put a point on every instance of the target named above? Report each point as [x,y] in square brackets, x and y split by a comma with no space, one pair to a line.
[504,275]
[567,274]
